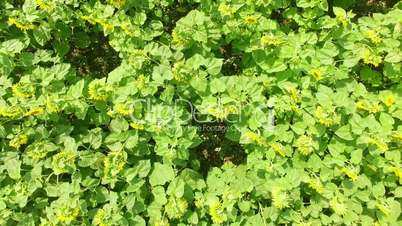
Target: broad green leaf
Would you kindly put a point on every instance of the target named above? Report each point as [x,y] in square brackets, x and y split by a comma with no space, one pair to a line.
[6,65]
[213,66]
[268,61]
[217,86]
[13,166]
[344,132]
[161,174]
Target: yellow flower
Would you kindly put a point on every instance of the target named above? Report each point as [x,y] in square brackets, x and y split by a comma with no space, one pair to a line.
[350,173]
[140,82]
[360,105]
[364,106]
[38,150]
[113,163]
[22,90]
[106,26]
[10,112]
[199,202]
[162,222]
[63,161]
[373,37]
[255,138]
[381,145]
[304,144]
[268,40]
[123,109]
[51,106]
[177,38]
[18,141]
[217,212]
[137,126]
[43,5]
[397,136]
[375,108]
[117,3]
[316,73]
[99,217]
[225,10]
[34,111]
[67,218]
[343,20]
[295,108]
[176,71]
[323,117]
[251,20]
[338,207]
[278,148]
[98,90]
[127,30]
[280,200]
[316,185]
[384,208]
[89,19]
[389,100]
[11,21]
[294,94]
[370,58]
[22,26]
[397,172]
[221,112]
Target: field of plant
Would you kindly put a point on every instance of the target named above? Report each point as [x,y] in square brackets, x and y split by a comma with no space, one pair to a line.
[200,112]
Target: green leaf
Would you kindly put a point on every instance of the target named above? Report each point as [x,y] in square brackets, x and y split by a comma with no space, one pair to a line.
[161,73]
[6,65]
[60,71]
[386,121]
[13,166]
[119,125]
[371,76]
[161,174]
[393,57]
[79,108]
[378,190]
[356,156]
[12,46]
[268,61]
[42,35]
[213,66]
[344,132]
[75,90]
[200,84]
[217,86]
[339,12]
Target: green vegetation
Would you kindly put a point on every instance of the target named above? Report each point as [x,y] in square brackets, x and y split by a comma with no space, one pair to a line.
[200,112]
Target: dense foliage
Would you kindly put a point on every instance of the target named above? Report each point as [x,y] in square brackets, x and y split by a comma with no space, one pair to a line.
[200,112]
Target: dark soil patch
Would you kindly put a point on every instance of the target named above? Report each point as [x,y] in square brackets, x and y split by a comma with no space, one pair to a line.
[175,12]
[231,61]
[215,149]
[364,8]
[98,59]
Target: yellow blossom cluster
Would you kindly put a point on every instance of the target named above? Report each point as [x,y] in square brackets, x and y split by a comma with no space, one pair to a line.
[373,37]
[18,141]
[380,144]
[370,58]
[20,25]
[369,107]
[351,173]
[270,40]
